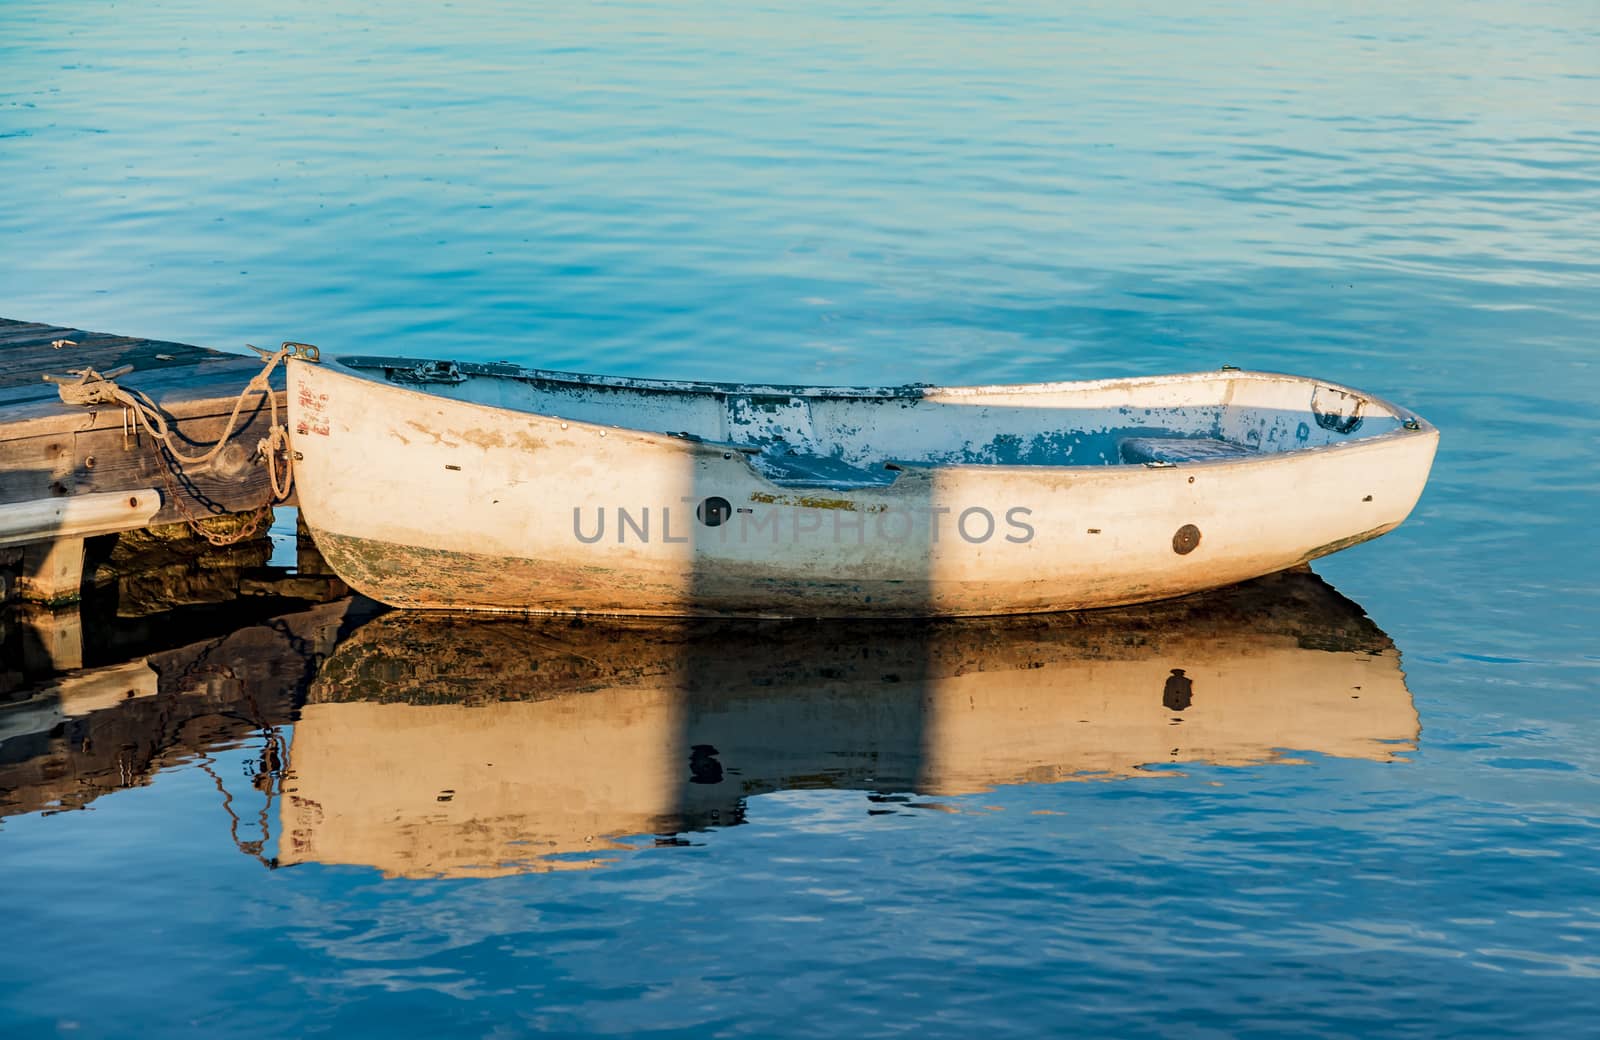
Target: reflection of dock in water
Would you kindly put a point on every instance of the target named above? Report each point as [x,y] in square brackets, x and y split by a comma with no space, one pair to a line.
[87,733]
[435,746]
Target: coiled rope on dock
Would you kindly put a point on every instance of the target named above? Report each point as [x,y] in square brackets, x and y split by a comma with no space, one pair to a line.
[92,389]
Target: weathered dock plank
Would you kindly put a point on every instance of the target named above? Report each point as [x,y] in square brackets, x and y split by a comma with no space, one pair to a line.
[27,351]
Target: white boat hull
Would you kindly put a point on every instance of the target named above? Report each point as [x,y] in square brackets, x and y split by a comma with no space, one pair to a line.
[423,501]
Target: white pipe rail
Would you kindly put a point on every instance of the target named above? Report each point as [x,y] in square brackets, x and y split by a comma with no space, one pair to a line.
[77,516]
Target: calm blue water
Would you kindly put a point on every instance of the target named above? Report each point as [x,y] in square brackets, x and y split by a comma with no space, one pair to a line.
[1401,197]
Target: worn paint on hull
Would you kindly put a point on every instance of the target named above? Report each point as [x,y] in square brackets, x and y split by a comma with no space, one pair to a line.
[775,502]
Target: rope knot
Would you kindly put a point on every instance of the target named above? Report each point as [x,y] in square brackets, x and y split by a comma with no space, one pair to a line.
[90,388]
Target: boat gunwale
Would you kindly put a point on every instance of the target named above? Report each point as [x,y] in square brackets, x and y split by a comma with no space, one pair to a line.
[913,391]
[693,444]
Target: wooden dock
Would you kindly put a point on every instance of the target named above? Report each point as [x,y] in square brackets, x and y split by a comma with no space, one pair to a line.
[68,472]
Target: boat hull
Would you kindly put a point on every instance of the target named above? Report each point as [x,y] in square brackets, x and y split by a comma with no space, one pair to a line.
[424,502]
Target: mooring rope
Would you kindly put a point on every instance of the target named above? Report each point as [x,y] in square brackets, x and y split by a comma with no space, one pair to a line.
[92,389]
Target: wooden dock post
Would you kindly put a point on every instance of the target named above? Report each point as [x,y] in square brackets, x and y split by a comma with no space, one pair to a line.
[52,572]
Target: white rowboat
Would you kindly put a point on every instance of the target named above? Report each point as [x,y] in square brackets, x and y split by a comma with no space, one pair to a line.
[439,485]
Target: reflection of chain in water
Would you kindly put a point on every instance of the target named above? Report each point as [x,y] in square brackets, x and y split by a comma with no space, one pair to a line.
[305,648]
[266,775]
[301,647]
[253,849]
[298,645]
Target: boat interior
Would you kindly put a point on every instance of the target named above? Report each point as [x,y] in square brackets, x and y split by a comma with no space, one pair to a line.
[860,437]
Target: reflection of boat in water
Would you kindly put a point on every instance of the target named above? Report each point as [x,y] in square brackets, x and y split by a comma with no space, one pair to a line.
[431,745]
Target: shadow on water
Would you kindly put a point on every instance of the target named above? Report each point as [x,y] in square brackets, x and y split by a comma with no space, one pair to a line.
[424,745]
